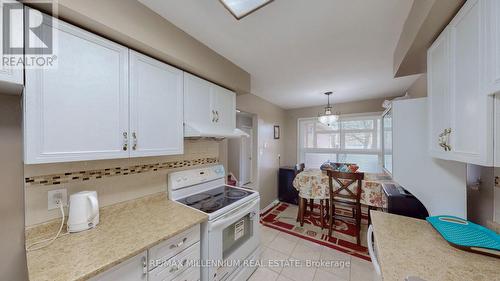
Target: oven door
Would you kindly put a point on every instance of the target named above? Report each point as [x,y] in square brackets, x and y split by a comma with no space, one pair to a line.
[233,237]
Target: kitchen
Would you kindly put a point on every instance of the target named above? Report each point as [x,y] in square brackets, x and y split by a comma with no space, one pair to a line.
[117,156]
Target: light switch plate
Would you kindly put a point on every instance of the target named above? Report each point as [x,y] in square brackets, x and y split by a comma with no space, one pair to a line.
[53,195]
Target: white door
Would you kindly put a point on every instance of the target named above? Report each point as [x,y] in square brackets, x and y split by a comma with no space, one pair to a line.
[225,108]
[493,45]
[133,269]
[198,110]
[78,110]
[11,75]
[246,157]
[156,107]
[438,69]
[471,111]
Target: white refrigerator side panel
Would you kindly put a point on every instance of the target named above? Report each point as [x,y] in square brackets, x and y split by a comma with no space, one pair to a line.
[439,184]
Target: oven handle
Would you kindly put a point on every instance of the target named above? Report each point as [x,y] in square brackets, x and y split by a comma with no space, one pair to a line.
[234,215]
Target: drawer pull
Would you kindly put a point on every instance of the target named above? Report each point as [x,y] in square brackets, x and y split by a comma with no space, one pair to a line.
[178,244]
[177,267]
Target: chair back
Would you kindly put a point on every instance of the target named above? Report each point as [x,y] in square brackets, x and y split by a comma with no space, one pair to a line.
[299,168]
[345,181]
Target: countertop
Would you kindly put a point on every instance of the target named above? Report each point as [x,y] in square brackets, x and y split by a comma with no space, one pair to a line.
[124,231]
[411,247]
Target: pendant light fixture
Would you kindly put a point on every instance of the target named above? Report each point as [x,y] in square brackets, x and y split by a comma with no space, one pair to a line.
[328,118]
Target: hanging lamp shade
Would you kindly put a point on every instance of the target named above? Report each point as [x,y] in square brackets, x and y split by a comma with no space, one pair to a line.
[327,117]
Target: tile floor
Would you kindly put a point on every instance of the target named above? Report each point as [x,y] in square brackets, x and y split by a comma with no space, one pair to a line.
[278,246]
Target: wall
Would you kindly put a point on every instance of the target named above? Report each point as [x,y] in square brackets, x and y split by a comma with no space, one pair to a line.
[419,88]
[374,105]
[136,26]
[480,199]
[110,189]
[13,257]
[269,150]
[426,20]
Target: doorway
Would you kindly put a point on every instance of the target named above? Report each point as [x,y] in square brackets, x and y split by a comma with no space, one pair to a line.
[241,152]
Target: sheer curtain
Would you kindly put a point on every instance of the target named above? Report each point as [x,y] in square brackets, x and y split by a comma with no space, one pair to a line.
[353,139]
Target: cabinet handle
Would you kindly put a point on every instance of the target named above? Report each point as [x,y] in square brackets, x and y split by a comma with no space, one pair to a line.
[447,133]
[134,136]
[213,116]
[144,265]
[125,141]
[177,267]
[178,244]
[444,139]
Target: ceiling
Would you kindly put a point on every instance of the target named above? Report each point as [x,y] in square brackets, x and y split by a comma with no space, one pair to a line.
[295,50]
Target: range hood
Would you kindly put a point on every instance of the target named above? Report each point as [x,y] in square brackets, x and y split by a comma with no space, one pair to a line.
[198,131]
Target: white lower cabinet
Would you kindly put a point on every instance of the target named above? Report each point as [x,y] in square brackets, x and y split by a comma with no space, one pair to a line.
[192,274]
[134,269]
[176,259]
[177,265]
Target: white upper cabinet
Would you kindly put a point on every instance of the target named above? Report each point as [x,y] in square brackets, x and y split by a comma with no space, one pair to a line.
[225,107]
[461,114]
[78,110]
[438,63]
[11,77]
[209,110]
[156,107]
[492,25]
[198,110]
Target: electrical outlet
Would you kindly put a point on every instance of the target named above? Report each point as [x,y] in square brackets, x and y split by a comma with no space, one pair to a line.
[54,195]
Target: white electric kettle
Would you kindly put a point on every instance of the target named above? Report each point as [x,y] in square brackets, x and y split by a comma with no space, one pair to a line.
[83,211]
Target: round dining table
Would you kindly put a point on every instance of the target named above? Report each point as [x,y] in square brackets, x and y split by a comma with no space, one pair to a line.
[313,184]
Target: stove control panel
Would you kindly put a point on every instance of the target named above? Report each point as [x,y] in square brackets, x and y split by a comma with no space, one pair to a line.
[185,178]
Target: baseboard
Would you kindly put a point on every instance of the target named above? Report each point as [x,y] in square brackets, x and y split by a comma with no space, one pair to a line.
[270,206]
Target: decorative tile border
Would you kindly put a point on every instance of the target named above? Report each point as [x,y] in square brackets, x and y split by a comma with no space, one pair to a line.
[112,172]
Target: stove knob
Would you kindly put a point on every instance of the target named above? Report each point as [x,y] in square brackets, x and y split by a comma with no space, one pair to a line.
[178,180]
[185,179]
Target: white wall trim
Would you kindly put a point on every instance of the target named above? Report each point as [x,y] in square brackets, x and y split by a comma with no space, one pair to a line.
[270,206]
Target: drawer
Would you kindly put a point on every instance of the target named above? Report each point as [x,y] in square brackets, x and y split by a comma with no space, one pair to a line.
[177,265]
[192,274]
[171,247]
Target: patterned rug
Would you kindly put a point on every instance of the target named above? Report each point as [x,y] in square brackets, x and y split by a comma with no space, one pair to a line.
[283,217]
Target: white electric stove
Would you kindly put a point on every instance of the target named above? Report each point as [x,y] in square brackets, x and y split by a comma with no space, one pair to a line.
[230,238]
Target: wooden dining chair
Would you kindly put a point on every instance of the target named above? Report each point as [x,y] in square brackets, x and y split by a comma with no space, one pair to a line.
[348,194]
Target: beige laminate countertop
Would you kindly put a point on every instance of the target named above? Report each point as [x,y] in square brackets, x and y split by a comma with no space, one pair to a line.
[411,247]
[125,230]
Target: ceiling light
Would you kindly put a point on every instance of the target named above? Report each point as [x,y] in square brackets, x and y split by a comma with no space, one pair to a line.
[328,118]
[242,8]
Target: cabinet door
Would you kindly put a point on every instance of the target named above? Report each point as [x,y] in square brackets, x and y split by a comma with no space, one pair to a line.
[77,110]
[156,107]
[225,107]
[10,76]
[198,109]
[471,111]
[134,269]
[493,46]
[438,72]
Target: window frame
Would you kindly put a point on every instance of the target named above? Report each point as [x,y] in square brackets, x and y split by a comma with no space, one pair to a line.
[377,130]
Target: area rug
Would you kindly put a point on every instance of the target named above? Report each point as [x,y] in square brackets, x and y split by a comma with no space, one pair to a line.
[283,217]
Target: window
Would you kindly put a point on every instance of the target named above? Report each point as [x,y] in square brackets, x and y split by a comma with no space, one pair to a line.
[353,139]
